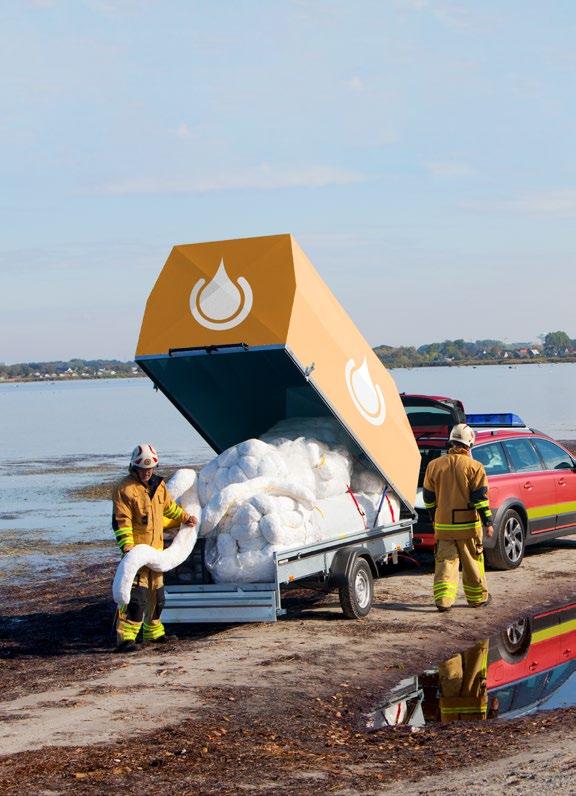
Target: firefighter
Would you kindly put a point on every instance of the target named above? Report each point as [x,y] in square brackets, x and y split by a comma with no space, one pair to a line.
[456,496]
[462,680]
[143,507]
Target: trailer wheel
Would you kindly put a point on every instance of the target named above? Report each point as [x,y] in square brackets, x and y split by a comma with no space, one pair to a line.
[357,593]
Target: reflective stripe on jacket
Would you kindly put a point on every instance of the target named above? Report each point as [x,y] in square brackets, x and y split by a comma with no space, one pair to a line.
[456,494]
[139,512]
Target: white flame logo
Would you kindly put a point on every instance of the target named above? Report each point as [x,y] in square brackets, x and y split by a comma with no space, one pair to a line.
[366,395]
[221,304]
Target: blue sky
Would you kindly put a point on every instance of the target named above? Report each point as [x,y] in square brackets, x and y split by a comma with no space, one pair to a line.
[421,152]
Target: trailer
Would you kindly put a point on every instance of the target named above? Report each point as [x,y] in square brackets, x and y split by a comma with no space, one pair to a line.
[240,335]
[349,565]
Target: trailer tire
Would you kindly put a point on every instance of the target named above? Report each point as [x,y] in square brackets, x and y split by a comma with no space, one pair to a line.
[357,592]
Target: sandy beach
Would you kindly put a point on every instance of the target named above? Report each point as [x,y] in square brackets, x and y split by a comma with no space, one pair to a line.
[264,708]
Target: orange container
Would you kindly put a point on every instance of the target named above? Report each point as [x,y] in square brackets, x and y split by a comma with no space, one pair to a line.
[240,334]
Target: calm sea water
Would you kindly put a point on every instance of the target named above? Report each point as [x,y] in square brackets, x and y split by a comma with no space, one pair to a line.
[543,395]
[59,436]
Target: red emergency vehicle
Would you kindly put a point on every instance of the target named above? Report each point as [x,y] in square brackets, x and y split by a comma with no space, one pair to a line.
[532,478]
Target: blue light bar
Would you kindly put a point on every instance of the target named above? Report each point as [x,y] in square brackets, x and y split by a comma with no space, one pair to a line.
[495,420]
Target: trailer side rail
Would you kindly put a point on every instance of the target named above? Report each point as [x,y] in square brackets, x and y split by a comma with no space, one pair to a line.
[261,602]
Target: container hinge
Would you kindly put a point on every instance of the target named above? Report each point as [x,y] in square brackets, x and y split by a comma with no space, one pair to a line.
[308,370]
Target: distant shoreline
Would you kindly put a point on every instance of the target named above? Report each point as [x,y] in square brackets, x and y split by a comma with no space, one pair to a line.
[474,363]
[50,380]
[467,363]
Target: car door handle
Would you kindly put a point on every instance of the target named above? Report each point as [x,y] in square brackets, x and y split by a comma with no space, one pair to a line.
[533,666]
[567,653]
[528,485]
[562,482]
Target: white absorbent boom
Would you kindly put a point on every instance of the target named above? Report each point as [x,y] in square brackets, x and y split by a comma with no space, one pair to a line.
[142,555]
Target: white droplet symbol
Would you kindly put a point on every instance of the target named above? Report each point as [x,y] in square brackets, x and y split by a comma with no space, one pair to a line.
[221,304]
[366,395]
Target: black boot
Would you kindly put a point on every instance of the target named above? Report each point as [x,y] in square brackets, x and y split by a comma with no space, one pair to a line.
[126,646]
[161,639]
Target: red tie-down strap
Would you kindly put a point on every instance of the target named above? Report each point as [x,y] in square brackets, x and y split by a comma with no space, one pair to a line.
[391,507]
[361,511]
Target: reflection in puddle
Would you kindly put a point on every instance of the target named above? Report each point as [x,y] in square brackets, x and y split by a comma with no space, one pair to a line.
[528,667]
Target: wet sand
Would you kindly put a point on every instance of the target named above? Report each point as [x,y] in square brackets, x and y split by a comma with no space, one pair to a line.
[265,708]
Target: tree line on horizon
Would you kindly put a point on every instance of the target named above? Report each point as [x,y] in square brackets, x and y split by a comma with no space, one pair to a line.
[70,369]
[553,345]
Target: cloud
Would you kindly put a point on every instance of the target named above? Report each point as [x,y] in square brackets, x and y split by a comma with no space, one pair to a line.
[263,177]
[183,131]
[561,202]
[78,257]
[451,13]
[118,6]
[447,168]
[355,84]
[414,5]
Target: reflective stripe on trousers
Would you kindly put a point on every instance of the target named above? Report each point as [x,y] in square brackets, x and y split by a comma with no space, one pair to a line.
[145,606]
[449,555]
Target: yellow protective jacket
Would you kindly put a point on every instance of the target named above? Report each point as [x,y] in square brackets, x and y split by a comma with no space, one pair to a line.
[140,511]
[456,495]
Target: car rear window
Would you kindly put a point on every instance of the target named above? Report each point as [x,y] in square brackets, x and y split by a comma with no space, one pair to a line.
[522,455]
[493,458]
[428,416]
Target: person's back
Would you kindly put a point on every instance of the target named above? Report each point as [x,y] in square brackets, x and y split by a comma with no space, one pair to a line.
[457,481]
[456,496]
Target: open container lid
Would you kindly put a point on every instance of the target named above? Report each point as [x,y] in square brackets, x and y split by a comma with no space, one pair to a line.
[243,333]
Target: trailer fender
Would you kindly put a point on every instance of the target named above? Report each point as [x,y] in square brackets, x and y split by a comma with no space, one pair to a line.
[344,561]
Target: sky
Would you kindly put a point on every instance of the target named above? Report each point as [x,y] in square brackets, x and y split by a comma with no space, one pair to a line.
[420,151]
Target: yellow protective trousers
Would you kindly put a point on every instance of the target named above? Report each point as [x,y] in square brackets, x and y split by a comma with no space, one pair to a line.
[463,687]
[143,610]
[449,555]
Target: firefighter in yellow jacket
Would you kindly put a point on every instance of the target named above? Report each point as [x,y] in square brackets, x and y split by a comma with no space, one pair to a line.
[143,507]
[456,496]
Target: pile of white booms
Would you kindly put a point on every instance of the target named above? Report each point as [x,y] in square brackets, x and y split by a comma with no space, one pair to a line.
[297,485]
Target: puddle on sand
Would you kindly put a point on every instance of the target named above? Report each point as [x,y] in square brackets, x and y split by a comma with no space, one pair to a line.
[529,666]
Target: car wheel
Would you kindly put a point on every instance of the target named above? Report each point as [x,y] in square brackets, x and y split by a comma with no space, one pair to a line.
[513,642]
[510,542]
[357,593]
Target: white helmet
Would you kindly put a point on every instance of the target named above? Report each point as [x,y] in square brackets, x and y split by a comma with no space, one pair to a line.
[144,456]
[463,435]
